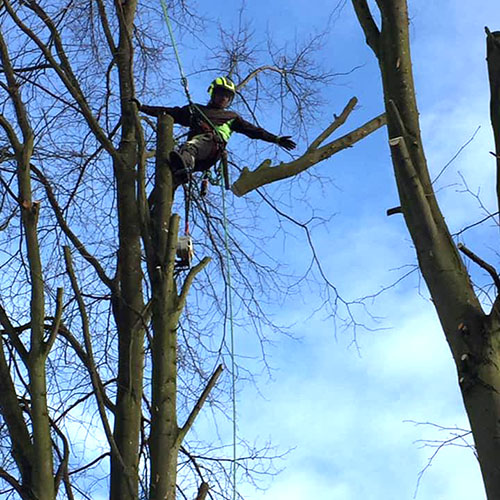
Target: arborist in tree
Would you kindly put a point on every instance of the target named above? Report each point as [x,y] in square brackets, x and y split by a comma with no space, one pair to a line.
[210,127]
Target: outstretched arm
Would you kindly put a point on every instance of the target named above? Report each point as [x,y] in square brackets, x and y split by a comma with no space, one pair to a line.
[243,127]
[181,115]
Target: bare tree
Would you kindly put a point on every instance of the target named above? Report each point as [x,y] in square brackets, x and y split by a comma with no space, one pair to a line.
[470,330]
[90,298]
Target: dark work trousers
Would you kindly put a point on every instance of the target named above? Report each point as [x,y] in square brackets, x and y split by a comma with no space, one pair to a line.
[205,150]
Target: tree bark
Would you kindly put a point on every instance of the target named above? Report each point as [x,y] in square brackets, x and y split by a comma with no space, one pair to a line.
[164,430]
[493,58]
[128,302]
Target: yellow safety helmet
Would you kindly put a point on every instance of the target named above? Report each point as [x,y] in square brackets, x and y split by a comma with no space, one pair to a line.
[222,82]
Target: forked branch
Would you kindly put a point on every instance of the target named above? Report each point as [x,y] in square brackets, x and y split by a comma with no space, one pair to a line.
[265,173]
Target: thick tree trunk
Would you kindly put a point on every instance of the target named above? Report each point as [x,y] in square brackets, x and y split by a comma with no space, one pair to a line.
[471,334]
[167,304]
[164,445]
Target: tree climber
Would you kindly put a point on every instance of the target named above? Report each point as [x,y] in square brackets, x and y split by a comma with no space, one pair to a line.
[210,127]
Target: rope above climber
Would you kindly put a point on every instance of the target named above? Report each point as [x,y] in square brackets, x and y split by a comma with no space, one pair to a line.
[210,127]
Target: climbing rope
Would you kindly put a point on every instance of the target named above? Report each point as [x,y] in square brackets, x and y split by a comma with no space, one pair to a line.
[184,80]
[231,323]
[192,105]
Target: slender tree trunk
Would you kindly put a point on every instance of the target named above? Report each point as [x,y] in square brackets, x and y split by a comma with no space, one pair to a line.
[128,305]
[163,440]
[34,457]
[128,308]
[43,474]
[493,58]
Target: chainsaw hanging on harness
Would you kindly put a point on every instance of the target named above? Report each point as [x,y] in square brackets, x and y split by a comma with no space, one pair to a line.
[185,246]
[185,252]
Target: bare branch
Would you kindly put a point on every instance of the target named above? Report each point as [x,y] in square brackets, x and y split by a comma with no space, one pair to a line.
[199,404]
[266,174]
[57,320]
[11,332]
[189,280]
[13,482]
[414,189]
[22,449]
[69,233]
[339,121]
[81,353]
[481,263]
[13,89]
[63,70]
[368,24]
[255,72]
[91,363]
[202,491]
[105,26]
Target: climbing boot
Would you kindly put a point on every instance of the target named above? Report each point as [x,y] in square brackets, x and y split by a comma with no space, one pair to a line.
[181,164]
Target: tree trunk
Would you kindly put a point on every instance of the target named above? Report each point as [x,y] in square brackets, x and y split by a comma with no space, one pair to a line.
[128,304]
[163,439]
[43,473]
[471,334]
[493,58]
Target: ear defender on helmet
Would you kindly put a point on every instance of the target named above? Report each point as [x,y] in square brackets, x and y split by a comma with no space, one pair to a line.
[222,82]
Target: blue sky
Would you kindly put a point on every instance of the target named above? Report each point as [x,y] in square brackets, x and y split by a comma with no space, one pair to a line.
[358,411]
[347,411]
[358,408]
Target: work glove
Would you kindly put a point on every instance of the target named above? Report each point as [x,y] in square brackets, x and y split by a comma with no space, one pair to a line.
[137,102]
[286,142]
